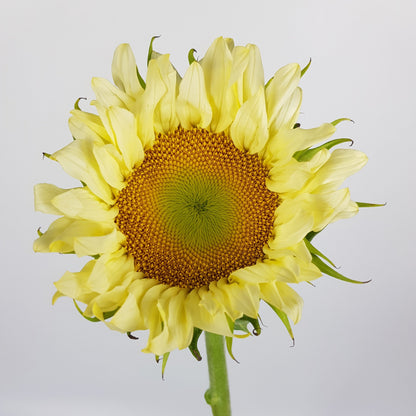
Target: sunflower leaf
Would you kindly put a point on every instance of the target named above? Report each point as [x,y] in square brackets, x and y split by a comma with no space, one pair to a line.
[324,268]
[283,317]
[307,154]
[193,346]
[369,205]
[302,73]
[314,250]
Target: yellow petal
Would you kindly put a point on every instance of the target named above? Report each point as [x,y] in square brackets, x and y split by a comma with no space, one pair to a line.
[90,245]
[249,129]
[87,126]
[124,71]
[253,77]
[165,118]
[203,319]
[241,298]
[106,158]
[177,331]
[290,226]
[44,194]
[108,95]
[179,324]
[111,270]
[110,301]
[247,75]
[288,114]
[125,132]
[341,164]
[146,105]
[349,211]
[74,285]
[289,177]
[283,298]
[130,317]
[66,235]
[279,92]
[258,273]
[193,107]
[80,203]
[78,161]
[289,141]
[216,65]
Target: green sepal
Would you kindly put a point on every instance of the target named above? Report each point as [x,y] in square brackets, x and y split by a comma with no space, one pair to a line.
[268,82]
[324,268]
[141,80]
[95,256]
[76,105]
[307,154]
[314,250]
[193,346]
[106,315]
[164,362]
[191,57]
[283,317]
[229,344]
[339,120]
[229,340]
[241,324]
[150,51]
[369,205]
[296,125]
[302,73]
[311,235]
[40,233]
[48,155]
[83,183]
[129,334]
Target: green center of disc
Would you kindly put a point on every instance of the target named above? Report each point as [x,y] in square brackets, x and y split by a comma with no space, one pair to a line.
[196,210]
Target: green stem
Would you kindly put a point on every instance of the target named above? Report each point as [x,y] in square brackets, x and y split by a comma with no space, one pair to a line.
[218,394]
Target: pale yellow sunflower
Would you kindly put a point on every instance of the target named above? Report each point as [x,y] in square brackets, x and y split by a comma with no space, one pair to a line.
[197,196]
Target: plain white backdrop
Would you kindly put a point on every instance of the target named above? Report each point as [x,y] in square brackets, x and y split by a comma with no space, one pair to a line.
[355,345]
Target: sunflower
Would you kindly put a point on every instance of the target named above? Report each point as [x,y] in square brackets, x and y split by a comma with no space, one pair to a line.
[199,196]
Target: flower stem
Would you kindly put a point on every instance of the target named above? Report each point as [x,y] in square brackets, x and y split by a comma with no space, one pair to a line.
[218,394]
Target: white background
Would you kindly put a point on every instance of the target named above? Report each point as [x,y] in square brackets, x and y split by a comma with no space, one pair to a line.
[355,345]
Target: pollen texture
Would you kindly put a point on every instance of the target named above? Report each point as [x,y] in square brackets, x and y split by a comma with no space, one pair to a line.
[196,209]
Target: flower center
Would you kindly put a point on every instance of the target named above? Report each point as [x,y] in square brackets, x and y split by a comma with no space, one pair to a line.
[196,209]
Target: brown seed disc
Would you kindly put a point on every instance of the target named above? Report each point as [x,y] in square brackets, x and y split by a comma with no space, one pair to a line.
[196,209]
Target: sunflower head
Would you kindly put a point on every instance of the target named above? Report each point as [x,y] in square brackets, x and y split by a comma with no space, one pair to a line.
[199,196]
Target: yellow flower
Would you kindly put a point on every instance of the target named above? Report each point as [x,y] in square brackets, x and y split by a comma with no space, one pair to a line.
[197,195]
